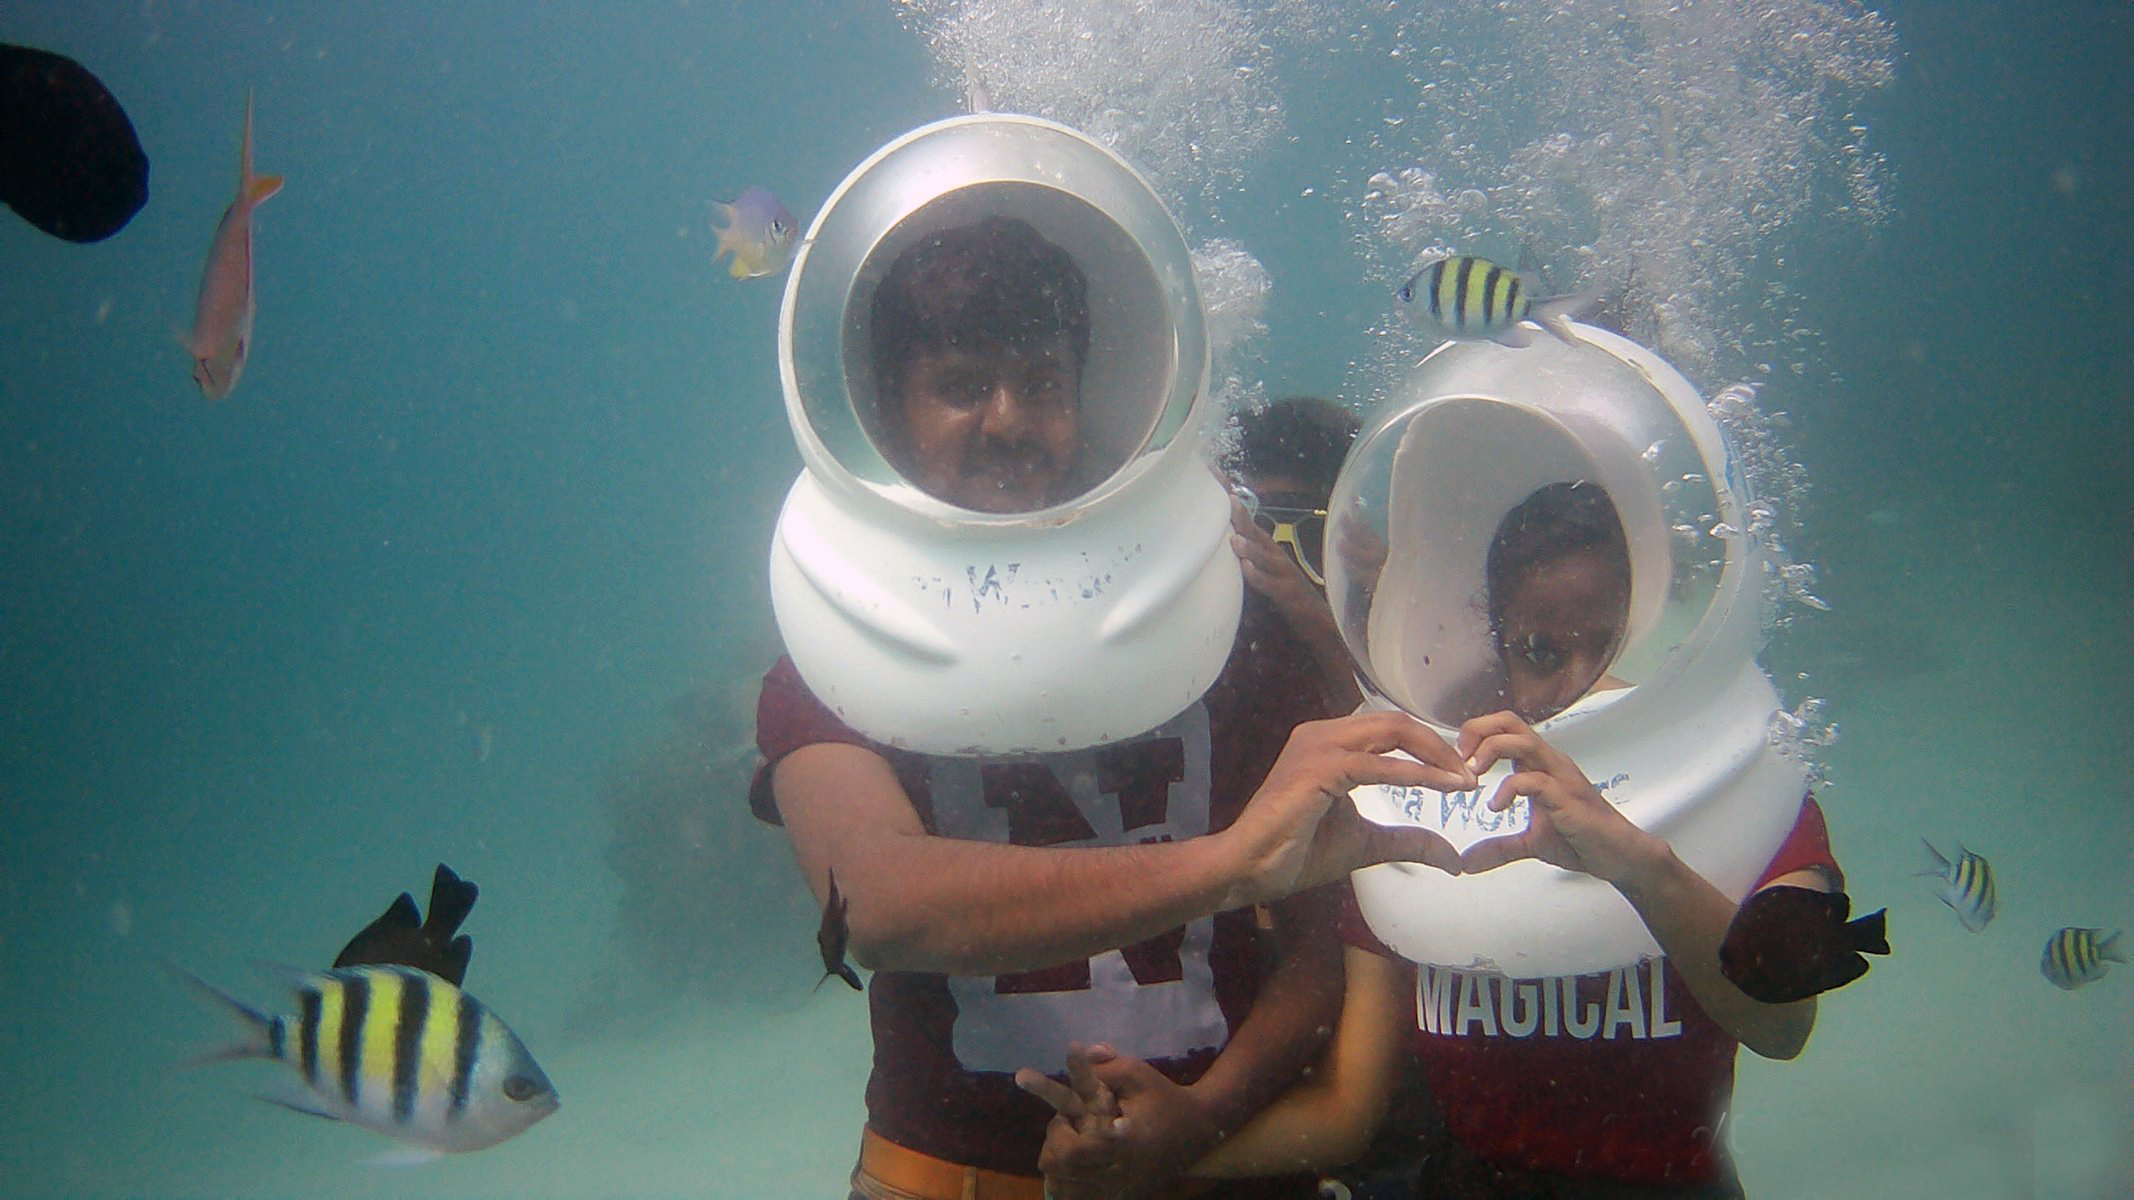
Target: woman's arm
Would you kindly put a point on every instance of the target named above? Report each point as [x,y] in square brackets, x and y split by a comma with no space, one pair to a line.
[1324,1121]
[1329,1118]
[1689,918]
[1575,828]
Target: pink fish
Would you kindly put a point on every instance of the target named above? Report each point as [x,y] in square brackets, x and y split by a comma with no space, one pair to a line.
[222,325]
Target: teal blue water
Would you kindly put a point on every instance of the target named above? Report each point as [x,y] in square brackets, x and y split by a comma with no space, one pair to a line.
[470,568]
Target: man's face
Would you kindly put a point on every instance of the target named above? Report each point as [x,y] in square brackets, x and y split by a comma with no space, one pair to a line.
[993,429]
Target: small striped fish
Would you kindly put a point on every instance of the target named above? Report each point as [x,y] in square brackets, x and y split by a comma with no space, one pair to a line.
[2074,956]
[399,1051]
[1966,885]
[1462,296]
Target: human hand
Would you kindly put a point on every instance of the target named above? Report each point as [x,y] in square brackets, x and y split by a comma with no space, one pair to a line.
[1361,550]
[1085,1155]
[1300,831]
[1271,571]
[1571,824]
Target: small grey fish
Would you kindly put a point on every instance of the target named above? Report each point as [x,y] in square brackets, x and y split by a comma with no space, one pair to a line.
[759,233]
[2076,956]
[1966,885]
[397,1051]
[1462,296]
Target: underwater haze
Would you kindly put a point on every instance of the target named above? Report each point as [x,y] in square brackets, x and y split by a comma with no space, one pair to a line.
[470,566]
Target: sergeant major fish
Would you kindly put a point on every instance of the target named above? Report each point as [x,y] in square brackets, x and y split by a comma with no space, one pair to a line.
[398,1051]
[222,321]
[1966,885]
[759,233]
[1462,296]
[2076,956]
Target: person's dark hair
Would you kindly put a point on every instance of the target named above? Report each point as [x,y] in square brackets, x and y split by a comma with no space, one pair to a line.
[1304,437]
[989,285]
[1553,522]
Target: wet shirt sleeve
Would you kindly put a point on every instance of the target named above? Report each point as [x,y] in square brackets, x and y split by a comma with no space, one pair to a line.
[1808,845]
[788,716]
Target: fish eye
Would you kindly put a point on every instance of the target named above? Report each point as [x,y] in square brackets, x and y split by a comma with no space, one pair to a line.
[520,1088]
[1407,293]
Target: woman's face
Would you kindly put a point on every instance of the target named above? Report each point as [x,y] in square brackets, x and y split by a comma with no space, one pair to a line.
[1559,629]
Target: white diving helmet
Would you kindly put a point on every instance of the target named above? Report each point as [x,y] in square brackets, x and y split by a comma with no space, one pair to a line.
[1671,720]
[924,622]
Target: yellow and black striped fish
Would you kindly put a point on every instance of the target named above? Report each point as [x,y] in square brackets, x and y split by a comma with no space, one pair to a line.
[399,1051]
[2076,956]
[1966,885]
[1462,296]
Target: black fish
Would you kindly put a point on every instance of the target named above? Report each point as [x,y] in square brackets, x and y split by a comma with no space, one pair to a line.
[1789,943]
[831,939]
[69,160]
[402,936]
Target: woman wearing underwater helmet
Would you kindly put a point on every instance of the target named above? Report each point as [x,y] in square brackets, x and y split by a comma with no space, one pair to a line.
[1605,1086]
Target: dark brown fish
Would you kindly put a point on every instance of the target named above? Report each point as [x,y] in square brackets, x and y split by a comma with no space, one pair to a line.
[69,160]
[1789,943]
[405,937]
[831,939]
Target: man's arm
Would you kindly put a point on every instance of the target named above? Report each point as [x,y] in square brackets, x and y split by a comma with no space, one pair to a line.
[918,902]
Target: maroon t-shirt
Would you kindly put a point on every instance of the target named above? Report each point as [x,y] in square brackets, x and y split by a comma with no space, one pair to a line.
[946,1048]
[1617,1075]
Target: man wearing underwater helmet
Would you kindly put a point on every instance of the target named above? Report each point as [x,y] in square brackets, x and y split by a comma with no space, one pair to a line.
[979,335]
[995,948]
[1572,1088]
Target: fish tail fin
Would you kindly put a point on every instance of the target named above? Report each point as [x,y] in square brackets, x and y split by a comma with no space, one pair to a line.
[1936,864]
[451,899]
[2108,948]
[1555,313]
[244,149]
[1869,934]
[256,1037]
[724,233]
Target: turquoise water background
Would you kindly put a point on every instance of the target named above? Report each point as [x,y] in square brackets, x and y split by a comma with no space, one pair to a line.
[474,556]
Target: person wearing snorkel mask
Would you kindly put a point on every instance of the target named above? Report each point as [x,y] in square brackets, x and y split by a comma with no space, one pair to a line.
[991,954]
[1574,1088]
[1288,455]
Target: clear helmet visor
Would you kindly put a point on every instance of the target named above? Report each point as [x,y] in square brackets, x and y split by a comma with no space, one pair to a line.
[1519,529]
[993,320]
